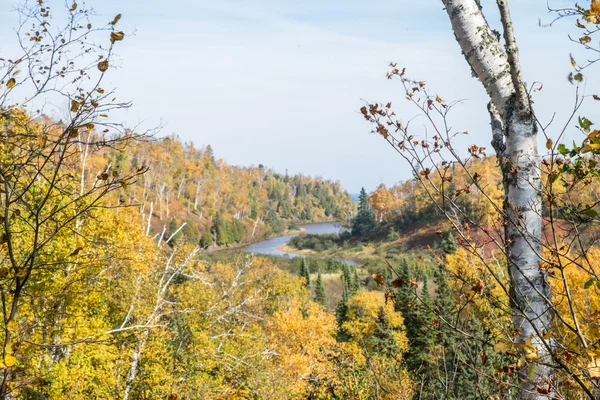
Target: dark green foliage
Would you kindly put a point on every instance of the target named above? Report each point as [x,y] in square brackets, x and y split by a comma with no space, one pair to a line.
[305,272]
[420,332]
[449,244]
[320,295]
[341,309]
[355,283]
[363,224]
[341,316]
[222,229]
[308,241]
[347,279]
[238,231]
[207,238]
[190,233]
[383,337]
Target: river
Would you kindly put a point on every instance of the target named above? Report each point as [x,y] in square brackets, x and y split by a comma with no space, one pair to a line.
[270,246]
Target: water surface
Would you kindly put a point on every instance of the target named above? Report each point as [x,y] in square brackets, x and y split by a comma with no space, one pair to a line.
[269,246]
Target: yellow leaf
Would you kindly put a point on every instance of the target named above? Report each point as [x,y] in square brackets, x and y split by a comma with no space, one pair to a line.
[10,360]
[585,39]
[438,99]
[594,353]
[549,144]
[589,147]
[500,347]
[117,18]
[116,36]
[75,105]
[594,369]
[547,335]
[73,7]
[11,83]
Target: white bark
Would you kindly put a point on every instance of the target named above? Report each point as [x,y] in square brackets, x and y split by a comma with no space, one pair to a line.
[135,360]
[481,49]
[515,141]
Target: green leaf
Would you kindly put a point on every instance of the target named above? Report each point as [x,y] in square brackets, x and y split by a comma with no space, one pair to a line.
[590,213]
[562,149]
[585,123]
[589,283]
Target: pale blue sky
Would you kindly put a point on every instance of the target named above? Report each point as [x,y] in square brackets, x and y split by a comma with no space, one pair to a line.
[280,82]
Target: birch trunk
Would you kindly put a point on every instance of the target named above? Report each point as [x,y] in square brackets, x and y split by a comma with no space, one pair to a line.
[515,141]
[135,360]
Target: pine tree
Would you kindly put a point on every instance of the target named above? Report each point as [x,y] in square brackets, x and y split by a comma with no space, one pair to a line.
[383,338]
[347,279]
[341,310]
[459,384]
[320,294]
[355,283]
[238,233]
[305,272]
[309,215]
[222,230]
[364,222]
[418,321]
[207,238]
[341,316]
[449,244]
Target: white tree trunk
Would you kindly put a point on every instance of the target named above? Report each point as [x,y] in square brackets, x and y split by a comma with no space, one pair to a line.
[515,141]
[135,361]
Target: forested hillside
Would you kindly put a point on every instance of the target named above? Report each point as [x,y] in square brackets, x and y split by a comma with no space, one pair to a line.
[217,203]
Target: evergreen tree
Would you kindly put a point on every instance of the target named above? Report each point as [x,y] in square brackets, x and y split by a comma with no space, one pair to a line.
[309,215]
[355,283]
[364,222]
[418,321]
[341,316]
[449,244]
[207,238]
[383,338]
[238,232]
[304,215]
[286,209]
[222,230]
[341,310]
[460,384]
[171,230]
[347,279]
[320,295]
[305,272]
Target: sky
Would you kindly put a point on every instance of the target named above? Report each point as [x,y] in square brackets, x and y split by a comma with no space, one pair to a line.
[281,82]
